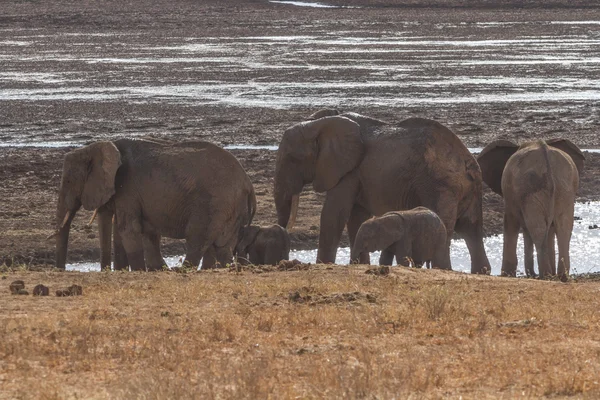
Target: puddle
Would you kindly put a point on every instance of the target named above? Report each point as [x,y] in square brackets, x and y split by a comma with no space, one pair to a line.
[50,144]
[250,147]
[270,147]
[585,249]
[303,4]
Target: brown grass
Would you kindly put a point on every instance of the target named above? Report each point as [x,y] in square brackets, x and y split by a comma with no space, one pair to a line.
[325,332]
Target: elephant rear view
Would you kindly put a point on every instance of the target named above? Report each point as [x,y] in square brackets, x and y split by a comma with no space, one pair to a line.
[539,182]
[418,234]
[191,190]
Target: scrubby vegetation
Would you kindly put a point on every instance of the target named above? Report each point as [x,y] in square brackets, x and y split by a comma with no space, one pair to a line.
[318,331]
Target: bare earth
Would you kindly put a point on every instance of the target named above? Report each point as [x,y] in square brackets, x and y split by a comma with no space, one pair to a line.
[80,71]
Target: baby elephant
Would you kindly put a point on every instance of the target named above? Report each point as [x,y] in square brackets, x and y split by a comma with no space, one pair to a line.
[418,234]
[263,245]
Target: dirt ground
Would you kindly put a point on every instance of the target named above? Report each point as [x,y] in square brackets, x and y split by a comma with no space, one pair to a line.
[30,177]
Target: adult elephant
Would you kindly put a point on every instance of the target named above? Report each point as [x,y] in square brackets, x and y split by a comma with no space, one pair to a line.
[539,182]
[368,167]
[191,190]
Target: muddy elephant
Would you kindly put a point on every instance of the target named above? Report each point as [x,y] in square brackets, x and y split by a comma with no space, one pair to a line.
[538,181]
[418,234]
[263,245]
[367,167]
[191,190]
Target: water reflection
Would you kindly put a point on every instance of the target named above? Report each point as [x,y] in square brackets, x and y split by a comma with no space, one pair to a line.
[585,248]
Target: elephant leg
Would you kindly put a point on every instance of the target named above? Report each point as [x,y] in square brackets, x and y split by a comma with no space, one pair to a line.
[154,259]
[134,247]
[543,257]
[224,255]
[552,249]
[472,232]
[336,212]
[529,270]
[387,256]
[120,257]
[209,259]
[564,229]
[403,252]
[358,215]
[105,232]
[446,210]
[509,252]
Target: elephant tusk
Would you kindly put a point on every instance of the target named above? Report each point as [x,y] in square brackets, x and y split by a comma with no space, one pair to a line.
[53,235]
[93,217]
[67,215]
[65,219]
[293,211]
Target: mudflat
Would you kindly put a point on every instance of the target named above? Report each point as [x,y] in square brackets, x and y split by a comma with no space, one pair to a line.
[240,73]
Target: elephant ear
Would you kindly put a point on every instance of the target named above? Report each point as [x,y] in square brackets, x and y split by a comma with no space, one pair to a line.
[340,149]
[571,149]
[492,160]
[99,187]
[247,237]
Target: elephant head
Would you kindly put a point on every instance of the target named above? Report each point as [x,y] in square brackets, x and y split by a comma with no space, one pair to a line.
[378,234]
[495,155]
[88,179]
[246,238]
[320,151]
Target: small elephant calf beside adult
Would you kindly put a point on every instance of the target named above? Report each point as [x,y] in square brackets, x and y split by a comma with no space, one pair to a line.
[263,245]
[539,182]
[418,234]
[190,190]
[368,167]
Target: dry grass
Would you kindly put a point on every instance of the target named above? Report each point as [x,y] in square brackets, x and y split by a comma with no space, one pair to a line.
[326,332]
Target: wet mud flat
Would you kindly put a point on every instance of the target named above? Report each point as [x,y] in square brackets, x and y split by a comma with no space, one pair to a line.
[241,73]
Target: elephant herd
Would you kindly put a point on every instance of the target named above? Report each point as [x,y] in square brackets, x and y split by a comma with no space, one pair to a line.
[416,177]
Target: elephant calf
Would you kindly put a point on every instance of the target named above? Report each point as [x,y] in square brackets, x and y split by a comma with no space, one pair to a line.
[418,234]
[263,245]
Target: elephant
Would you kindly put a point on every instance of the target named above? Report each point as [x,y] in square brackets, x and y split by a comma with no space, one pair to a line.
[538,181]
[368,167]
[191,190]
[418,234]
[263,245]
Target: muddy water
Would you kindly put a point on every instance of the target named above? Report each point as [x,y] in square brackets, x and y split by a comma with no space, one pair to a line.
[392,68]
[585,248]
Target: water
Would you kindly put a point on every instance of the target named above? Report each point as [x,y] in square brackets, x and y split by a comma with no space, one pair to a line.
[585,248]
[269,147]
[303,4]
[408,66]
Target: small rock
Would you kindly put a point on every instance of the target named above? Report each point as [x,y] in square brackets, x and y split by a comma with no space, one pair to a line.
[16,286]
[41,290]
[73,290]
[23,292]
[593,226]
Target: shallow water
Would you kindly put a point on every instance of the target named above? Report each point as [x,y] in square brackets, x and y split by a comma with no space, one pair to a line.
[387,68]
[303,4]
[585,248]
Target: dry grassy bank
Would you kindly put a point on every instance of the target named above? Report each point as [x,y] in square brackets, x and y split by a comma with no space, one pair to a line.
[325,332]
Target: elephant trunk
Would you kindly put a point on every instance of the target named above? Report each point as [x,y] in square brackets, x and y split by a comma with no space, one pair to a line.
[64,217]
[287,195]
